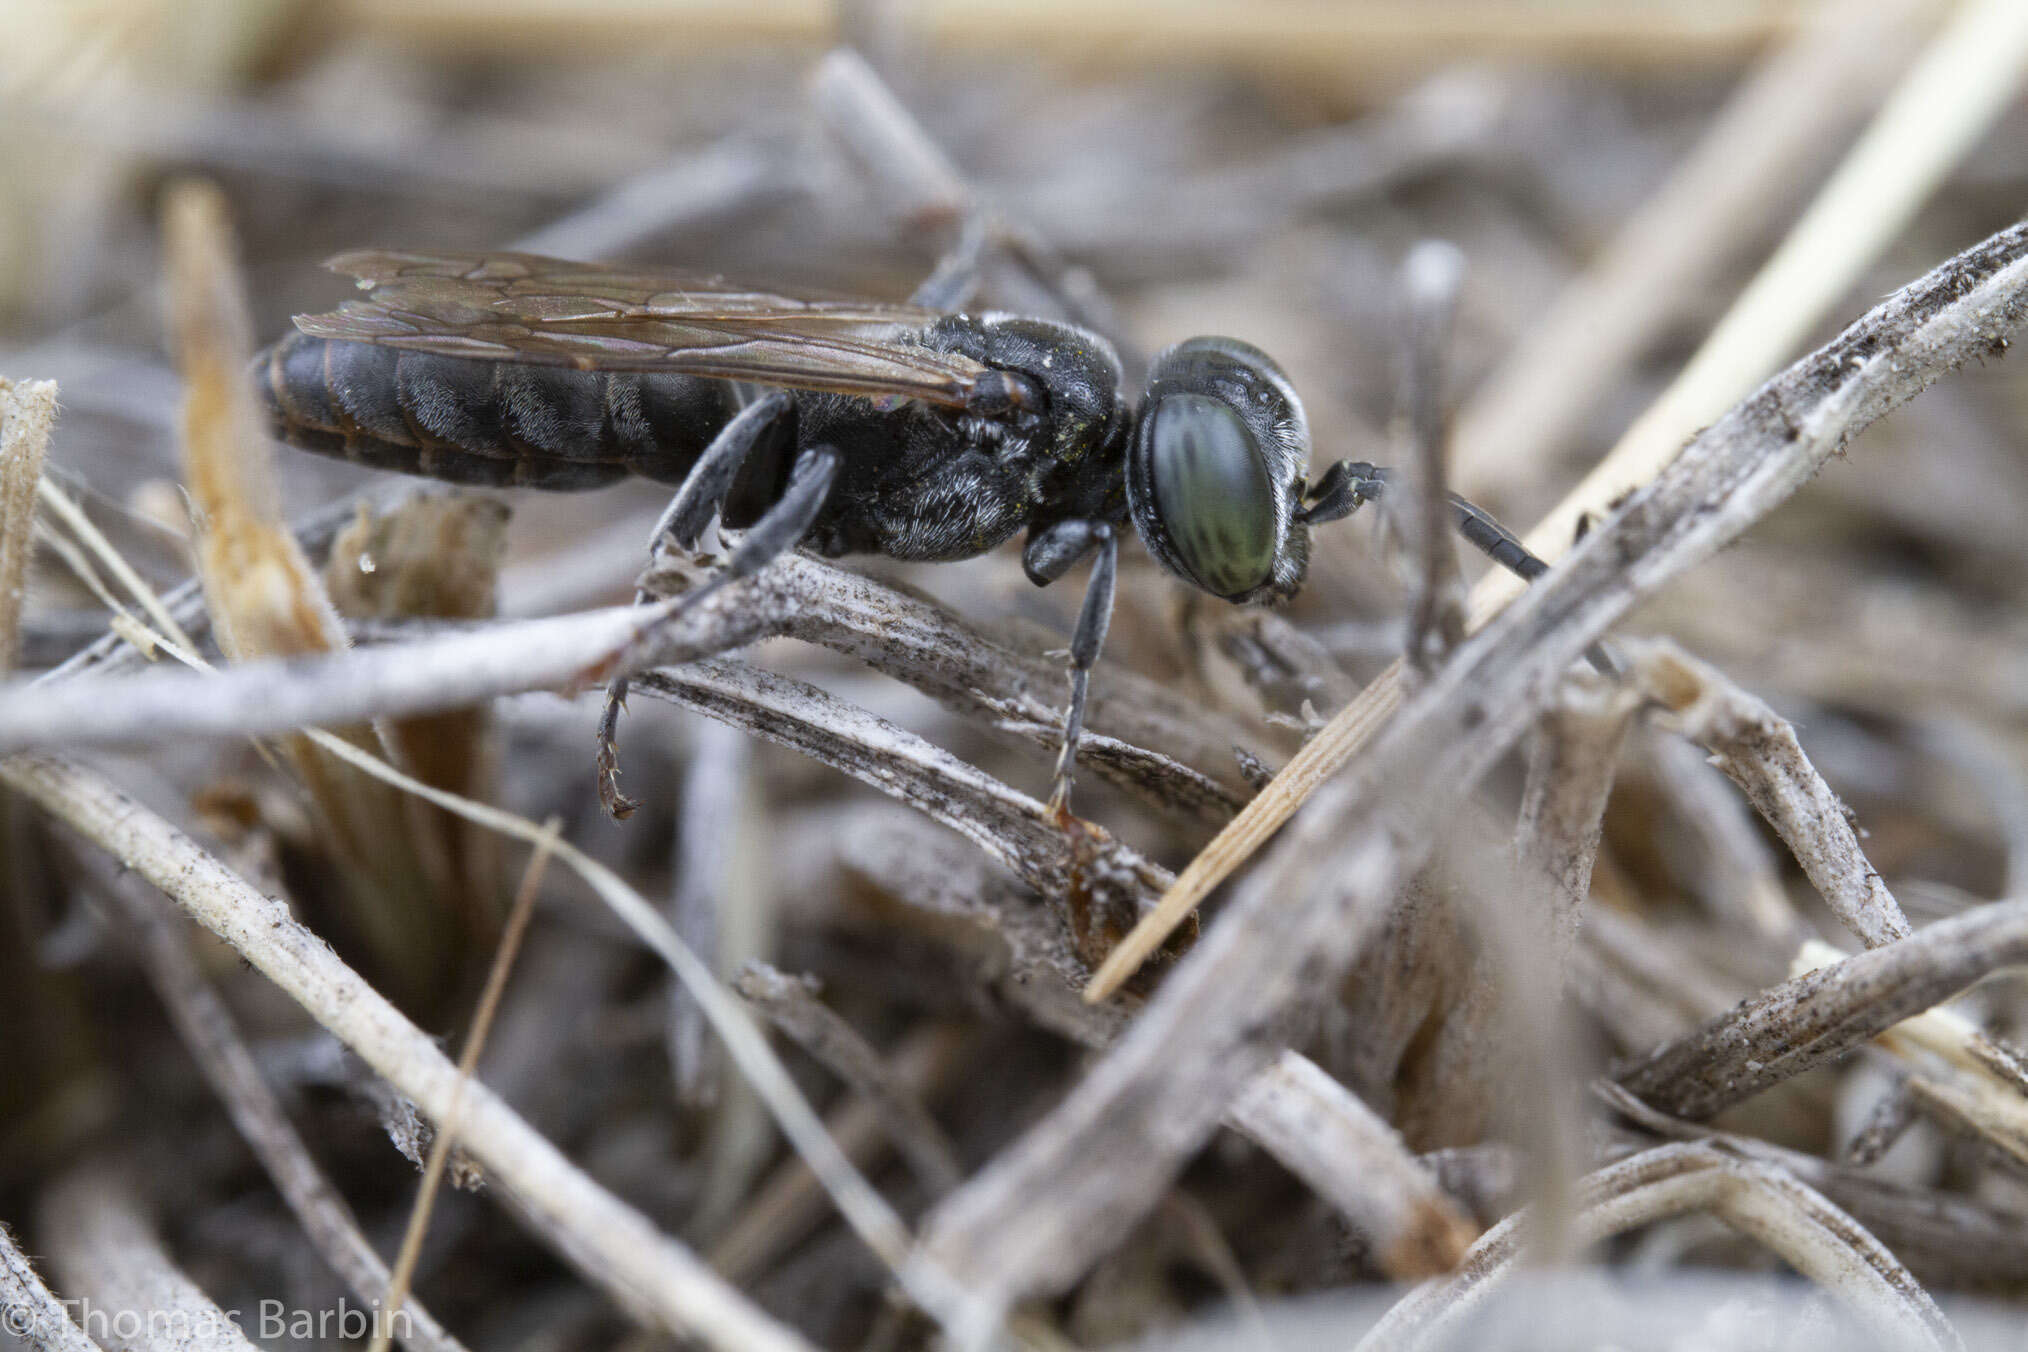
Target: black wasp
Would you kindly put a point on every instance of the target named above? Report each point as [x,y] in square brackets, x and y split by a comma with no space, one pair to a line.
[903,430]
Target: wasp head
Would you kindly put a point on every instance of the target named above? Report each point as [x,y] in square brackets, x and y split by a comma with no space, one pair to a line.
[1215,471]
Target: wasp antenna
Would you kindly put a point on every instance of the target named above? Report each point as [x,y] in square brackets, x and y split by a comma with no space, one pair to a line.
[1345,487]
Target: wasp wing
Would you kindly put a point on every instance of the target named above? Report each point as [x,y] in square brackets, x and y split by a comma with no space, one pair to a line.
[525,308]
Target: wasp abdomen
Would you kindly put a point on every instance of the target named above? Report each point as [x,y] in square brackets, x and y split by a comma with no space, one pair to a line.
[499,424]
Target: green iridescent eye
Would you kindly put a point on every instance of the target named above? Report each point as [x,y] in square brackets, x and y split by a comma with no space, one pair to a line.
[1212,493]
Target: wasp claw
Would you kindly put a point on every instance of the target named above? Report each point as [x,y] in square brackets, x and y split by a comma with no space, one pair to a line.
[617,805]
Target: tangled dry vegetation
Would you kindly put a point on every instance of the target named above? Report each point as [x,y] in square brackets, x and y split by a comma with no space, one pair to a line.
[1412,981]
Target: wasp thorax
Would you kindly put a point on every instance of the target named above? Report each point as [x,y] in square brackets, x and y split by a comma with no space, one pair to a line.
[1212,493]
[1212,479]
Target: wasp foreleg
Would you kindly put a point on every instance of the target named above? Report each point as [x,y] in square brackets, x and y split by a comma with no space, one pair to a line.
[1048,556]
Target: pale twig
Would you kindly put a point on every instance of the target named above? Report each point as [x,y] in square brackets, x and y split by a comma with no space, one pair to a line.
[1736,872]
[27,413]
[648,1273]
[1345,1151]
[1341,48]
[1314,1126]
[1662,260]
[900,158]
[1563,802]
[869,1215]
[893,632]
[716,793]
[1431,278]
[208,1030]
[1735,472]
[1956,1066]
[1754,1197]
[1758,750]
[1950,1238]
[1963,79]
[791,1004]
[1808,1019]
[102,1244]
[451,1123]
[258,698]
[29,1310]
[1959,84]
[893,149]
[72,516]
[792,1202]
[1017,830]
[728,178]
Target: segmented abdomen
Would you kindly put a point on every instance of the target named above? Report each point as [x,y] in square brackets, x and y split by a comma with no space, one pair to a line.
[499,424]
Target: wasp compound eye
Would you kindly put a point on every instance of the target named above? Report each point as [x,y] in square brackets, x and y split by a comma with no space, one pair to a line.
[1211,493]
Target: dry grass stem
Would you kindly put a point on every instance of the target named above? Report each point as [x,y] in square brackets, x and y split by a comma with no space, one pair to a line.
[874,1220]
[32,1310]
[791,1004]
[1178,759]
[645,1271]
[1563,803]
[263,592]
[1942,1237]
[208,1030]
[717,792]
[1807,1020]
[980,677]
[1754,1197]
[1954,1066]
[183,607]
[1310,1123]
[792,1201]
[264,697]
[1776,126]
[1757,749]
[1349,1154]
[92,540]
[1739,877]
[1324,47]
[103,1244]
[399,1284]
[264,597]
[27,413]
[1431,278]
[1963,79]
[911,168]
[1017,830]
